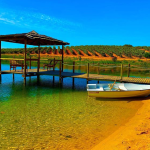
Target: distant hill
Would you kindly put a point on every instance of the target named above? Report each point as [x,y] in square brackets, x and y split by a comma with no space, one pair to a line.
[89,51]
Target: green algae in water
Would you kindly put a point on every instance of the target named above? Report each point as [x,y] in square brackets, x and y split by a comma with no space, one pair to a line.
[59,118]
[51,117]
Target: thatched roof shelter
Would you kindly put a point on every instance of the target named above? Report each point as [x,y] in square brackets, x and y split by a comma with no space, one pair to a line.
[33,38]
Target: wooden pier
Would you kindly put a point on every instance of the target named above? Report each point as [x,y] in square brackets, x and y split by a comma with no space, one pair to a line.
[87,76]
[33,38]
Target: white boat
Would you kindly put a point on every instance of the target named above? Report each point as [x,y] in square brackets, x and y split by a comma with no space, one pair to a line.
[118,90]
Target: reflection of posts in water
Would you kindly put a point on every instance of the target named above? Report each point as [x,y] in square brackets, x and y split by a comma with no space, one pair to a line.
[128,73]
[53,80]
[87,81]
[13,77]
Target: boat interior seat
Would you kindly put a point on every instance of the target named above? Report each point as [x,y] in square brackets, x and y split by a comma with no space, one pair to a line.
[91,86]
[122,87]
[94,87]
[101,89]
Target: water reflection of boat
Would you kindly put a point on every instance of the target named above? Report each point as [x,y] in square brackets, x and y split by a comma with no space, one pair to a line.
[118,90]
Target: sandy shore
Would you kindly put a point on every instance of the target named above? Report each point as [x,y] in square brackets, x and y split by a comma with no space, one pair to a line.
[134,135]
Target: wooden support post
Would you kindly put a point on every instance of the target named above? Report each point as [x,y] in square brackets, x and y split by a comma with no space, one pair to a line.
[73,72]
[121,73]
[0,61]
[87,81]
[25,50]
[98,81]
[87,70]
[38,59]
[60,65]
[54,65]
[62,58]
[128,73]
[30,62]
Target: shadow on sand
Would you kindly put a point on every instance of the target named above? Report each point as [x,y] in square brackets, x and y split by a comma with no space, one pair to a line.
[125,99]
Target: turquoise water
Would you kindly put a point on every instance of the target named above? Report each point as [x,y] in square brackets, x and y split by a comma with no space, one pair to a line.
[49,116]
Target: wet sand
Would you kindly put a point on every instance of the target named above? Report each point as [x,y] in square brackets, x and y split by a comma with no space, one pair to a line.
[134,135]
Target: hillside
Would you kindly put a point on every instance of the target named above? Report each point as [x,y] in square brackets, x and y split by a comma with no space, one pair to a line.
[89,51]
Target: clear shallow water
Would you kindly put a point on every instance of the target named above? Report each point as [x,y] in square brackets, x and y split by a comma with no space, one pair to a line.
[47,116]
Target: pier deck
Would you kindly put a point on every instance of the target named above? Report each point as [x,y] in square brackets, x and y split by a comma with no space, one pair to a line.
[113,78]
[33,72]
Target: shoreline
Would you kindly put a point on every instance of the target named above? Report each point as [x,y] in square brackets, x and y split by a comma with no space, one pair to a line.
[134,135]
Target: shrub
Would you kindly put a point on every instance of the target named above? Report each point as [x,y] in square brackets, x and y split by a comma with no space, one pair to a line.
[114,59]
[128,45]
[147,55]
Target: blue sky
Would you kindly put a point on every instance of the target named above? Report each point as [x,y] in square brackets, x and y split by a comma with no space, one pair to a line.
[80,22]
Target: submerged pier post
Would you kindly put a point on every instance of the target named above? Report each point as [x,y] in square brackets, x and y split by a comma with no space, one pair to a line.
[121,73]
[128,73]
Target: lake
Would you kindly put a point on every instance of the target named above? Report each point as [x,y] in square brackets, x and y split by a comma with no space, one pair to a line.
[49,116]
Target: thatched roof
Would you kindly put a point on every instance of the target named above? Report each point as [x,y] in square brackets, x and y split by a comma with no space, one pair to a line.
[33,38]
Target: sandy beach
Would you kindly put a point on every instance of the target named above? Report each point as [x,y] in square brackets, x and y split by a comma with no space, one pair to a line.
[134,135]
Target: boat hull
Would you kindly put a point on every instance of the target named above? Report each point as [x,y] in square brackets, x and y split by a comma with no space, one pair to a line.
[119,94]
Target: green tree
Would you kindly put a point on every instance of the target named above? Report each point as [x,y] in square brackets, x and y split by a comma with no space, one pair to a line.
[147,55]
